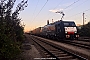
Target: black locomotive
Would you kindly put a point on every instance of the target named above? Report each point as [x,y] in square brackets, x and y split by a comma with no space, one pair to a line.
[59,29]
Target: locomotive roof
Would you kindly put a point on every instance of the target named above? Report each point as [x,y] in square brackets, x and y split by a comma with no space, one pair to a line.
[58,22]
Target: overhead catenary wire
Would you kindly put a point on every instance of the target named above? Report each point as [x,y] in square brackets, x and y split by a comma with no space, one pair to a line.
[41,9]
[88,15]
[55,7]
[69,6]
[66,8]
[58,4]
[78,5]
[35,9]
[79,13]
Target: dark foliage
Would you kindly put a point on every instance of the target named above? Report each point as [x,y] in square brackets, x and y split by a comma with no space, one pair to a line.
[11,31]
[85,30]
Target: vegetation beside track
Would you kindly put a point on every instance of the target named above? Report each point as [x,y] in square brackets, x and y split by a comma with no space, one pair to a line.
[85,30]
[11,30]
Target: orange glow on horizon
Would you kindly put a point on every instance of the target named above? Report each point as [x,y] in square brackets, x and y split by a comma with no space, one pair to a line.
[78,24]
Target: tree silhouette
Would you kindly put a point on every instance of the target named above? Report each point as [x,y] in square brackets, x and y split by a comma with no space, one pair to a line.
[11,31]
[85,30]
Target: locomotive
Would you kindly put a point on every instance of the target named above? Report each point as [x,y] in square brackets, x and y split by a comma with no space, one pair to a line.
[59,30]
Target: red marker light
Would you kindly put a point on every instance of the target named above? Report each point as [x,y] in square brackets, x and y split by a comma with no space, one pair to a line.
[70,32]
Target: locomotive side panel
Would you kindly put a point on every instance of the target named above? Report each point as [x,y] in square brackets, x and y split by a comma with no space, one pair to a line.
[48,30]
[60,30]
[36,31]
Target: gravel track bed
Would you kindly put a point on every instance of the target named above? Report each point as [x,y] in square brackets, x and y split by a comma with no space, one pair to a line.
[73,49]
[49,47]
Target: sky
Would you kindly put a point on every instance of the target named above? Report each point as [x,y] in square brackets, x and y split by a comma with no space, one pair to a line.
[38,12]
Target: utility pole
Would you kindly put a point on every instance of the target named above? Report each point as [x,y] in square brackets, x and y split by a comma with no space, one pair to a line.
[52,20]
[83,19]
[47,22]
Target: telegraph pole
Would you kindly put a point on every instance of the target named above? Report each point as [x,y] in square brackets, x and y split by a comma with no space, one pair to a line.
[83,19]
[52,20]
[47,22]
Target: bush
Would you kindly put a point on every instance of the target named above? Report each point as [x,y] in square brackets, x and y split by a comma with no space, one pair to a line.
[11,31]
[9,49]
[85,30]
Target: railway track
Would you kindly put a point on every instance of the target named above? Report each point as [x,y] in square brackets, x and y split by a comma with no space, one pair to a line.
[83,42]
[86,39]
[78,44]
[55,52]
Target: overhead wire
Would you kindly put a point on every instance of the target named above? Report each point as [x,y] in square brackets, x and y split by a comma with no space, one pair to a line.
[88,15]
[35,9]
[41,9]
[80,12]
[69,6]
[56,6]
[87,18]
[78,5]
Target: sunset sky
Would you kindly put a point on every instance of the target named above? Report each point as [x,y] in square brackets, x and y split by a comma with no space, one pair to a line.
[39,11]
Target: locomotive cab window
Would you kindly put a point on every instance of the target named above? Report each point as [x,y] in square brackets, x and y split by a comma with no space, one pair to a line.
[69,24]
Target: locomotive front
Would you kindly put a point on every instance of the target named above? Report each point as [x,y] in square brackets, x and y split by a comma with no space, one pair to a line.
[71,30]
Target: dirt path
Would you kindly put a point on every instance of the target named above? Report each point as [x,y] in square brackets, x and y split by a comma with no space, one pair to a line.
[29,50]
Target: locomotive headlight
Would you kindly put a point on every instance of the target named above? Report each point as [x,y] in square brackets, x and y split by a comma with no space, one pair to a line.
[66,32]
[75,32]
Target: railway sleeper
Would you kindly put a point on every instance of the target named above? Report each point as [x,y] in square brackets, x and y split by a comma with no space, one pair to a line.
[54,51]
[60,52]
[48,55]
[61,55]
[74,59]
[57,52]
[65,57]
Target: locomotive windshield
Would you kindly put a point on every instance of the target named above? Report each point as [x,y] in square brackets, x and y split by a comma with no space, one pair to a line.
[66,24]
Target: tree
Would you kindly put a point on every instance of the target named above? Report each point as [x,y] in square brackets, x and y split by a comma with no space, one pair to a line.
[11,31]
[85,30]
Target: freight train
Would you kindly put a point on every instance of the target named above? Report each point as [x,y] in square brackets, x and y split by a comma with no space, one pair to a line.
[58,30]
